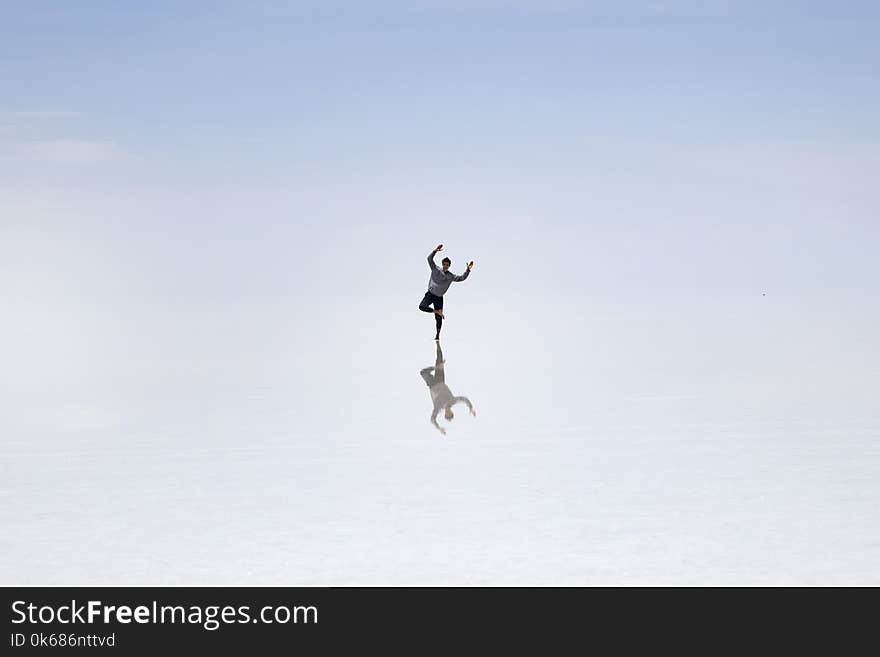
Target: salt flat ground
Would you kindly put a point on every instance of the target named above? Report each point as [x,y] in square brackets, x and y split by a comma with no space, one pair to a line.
[682,441]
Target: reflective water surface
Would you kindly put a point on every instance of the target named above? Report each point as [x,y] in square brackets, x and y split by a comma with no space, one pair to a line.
[707,443]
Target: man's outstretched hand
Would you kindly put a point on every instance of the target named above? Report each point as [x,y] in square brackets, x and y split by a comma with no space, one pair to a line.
[470,265]
[439,248]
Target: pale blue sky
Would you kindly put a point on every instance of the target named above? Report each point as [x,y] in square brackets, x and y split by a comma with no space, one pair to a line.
[170,77]
[230,151]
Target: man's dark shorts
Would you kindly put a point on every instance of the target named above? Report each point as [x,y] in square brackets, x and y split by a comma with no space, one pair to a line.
[431,298]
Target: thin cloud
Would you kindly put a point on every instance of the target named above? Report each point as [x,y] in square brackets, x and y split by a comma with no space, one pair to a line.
[40,114]
[73,151]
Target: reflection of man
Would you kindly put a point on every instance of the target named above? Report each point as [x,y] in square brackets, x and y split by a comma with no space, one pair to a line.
[441,395]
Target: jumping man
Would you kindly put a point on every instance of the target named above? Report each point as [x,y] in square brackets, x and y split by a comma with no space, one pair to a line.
[441,279]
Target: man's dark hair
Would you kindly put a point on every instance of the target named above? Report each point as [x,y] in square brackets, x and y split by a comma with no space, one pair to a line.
[446,260]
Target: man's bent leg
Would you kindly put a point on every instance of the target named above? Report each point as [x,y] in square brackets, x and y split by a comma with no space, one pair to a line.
[425,305]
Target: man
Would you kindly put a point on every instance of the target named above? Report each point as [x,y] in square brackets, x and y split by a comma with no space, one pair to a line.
[441,279]
[441,395]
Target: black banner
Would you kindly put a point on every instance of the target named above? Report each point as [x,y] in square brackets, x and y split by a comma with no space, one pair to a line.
[152,619]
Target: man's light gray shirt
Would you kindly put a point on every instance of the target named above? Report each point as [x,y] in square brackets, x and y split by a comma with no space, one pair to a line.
[440,280]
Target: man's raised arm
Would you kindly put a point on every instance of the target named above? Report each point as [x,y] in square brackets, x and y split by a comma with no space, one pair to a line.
[431,263]
[466,273]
